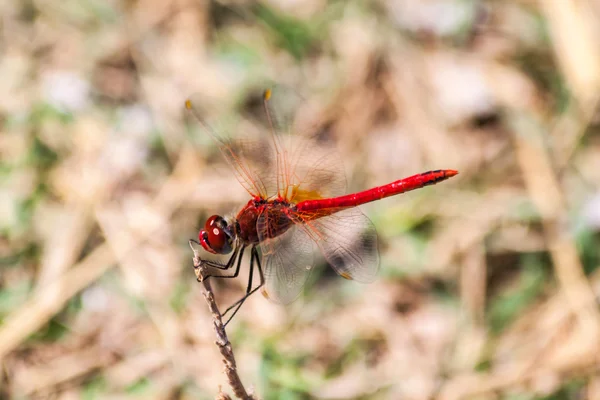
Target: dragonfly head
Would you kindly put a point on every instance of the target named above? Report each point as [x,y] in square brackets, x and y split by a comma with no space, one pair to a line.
[216,237]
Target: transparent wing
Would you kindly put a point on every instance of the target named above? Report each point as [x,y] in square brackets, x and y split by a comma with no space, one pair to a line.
[309,166]
[251,157]
[287,154]
[287,259]
[348,241]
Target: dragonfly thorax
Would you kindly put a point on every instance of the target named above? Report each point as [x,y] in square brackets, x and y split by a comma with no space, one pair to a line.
[216,237]
[263,219]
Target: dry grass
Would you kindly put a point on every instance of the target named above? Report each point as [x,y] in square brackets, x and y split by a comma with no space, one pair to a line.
[489,281]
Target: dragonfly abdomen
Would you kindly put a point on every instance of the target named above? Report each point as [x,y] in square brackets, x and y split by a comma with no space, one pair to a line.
[377,193]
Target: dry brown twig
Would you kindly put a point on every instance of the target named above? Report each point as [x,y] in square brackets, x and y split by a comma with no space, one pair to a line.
[222,341]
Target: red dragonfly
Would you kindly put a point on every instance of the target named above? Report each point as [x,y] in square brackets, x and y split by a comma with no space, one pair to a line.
[296,184]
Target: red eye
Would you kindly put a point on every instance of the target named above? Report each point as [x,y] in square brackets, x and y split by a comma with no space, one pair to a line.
[216,237]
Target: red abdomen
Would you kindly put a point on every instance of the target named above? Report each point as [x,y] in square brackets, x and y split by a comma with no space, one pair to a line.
[377,193]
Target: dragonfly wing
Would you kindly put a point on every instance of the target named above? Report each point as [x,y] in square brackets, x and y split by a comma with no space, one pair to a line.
[287,260]
[296,160]
[252,163]
[252,159]
[308,164]
[348,241]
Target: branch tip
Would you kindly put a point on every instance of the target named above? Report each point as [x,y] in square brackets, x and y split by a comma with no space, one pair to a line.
[222,341]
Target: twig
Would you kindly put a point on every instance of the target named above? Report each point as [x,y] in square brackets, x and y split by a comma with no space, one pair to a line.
[222,341]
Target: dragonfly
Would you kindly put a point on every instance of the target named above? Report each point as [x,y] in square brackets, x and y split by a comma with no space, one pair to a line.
[298,204]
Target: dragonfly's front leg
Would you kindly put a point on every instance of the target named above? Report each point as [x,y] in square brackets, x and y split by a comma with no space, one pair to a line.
[239,250]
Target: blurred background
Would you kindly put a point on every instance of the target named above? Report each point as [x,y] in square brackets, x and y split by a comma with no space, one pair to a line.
[488,281]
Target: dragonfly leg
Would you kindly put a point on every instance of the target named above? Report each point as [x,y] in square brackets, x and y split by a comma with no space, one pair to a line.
[215,264]
[249,291]
[221,266]
[238,253]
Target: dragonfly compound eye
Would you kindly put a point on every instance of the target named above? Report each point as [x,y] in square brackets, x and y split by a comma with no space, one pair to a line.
[216,237]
